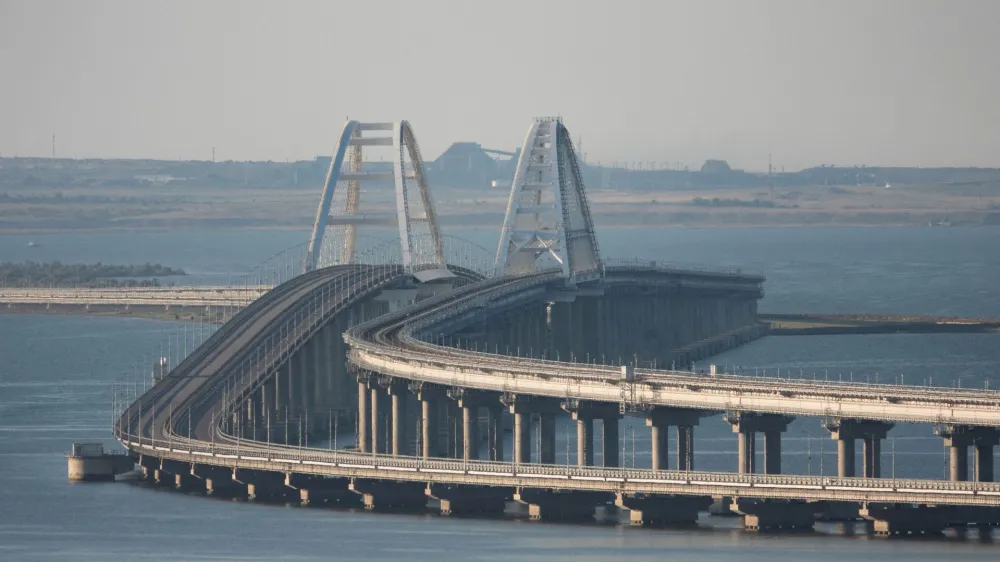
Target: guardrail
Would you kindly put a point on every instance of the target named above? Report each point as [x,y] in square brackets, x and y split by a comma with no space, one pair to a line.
[285,458]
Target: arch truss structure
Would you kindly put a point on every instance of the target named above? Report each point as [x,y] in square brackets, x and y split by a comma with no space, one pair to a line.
[548,218]
[334,237]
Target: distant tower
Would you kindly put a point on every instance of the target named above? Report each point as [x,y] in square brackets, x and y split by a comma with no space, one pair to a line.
[53,146]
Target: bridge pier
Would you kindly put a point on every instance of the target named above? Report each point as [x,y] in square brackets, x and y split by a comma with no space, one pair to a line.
[363,415]
[547,435]
[958,439]
[747,425]
[467,500]
[317,489]
[398,393]
[469,402]
[584,413]
[871,432]
[523,408]
[659,421]
[428,395]
[649,510]
[494,432]
[384,495]
[560,505]
[261,485]
[774,515]
[217,480]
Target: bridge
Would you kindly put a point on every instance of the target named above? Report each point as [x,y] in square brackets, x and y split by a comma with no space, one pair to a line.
[426,364]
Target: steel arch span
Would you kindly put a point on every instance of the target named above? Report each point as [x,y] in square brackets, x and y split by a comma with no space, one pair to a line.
[548,218]
[339,215]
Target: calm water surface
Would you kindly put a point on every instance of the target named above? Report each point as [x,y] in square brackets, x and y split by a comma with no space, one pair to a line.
[55,374]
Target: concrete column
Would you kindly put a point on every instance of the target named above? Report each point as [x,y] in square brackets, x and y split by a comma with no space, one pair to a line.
[364,438]
[400,446]
[845,457]
[547,423]
[470,433]
[294,387]
[305,376]
[845,431]
[522,437]
[958,439]
[428,435]
[585,442]
[772,452]
[660,448]
[494,433]
[610,448]
[984,462]
[685,447]
[374,392]
[746,442]
[872,452]
[958,462]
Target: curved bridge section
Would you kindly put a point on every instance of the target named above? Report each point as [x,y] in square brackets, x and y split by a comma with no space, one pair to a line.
[208,424]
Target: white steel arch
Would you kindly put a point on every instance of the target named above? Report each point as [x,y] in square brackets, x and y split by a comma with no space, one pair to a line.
[548,215]
[335,230]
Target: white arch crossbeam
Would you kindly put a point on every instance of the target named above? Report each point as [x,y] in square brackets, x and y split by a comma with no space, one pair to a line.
[547,214]
[335,230]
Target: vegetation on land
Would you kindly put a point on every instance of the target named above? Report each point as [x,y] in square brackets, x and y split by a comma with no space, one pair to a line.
[58,274]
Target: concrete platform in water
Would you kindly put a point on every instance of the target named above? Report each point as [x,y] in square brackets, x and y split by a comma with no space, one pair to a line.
[89,462]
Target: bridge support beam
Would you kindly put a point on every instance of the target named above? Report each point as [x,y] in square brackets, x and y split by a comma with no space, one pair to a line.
[316,489]
[217,480]
[466,500]
[659,421]
[958,439]
[747,425]
[774,515]
[889,519]
[560,505]
[469,402]
[871,432]
[429,396]
[584,413]
[261,485]
[384,495]
[523,408]
[494,432]
[547,435]
[364,435]
[651,510]
[399,392]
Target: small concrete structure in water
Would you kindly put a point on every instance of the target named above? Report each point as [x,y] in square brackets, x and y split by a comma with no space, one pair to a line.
[90,462]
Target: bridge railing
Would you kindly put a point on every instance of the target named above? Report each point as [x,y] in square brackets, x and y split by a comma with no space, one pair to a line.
[232,454]
[420,349]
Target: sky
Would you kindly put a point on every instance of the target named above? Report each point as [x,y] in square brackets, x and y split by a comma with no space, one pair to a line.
[845,82]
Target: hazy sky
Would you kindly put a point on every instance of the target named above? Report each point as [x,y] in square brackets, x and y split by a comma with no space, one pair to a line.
[907,82]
